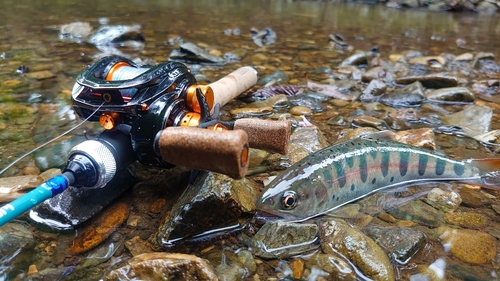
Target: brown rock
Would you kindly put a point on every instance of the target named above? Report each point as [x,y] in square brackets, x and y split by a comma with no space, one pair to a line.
[164,266]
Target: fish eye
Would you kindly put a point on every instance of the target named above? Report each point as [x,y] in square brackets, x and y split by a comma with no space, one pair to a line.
[289,200]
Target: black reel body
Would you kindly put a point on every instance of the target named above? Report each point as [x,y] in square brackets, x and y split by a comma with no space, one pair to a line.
[147,99]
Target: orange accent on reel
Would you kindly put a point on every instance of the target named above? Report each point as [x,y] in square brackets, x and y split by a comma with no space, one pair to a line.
[114,68]
[193,103]
[109,120]
[217,127]
[191,119]
[244,156]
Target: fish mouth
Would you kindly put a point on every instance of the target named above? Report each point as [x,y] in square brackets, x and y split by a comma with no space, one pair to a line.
[262,217]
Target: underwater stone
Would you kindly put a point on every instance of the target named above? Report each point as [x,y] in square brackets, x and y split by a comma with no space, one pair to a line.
[452,94]
[211,202]
[283,239]
[164,266]
[473,120]
[418,212]
[446,201]
[466,219]
[356,246]
[334,264]
[100,229]
[434,80]
[16,247]
[470,246]
[390,239]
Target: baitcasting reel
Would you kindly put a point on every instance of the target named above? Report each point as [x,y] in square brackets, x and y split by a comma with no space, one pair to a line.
[147,99]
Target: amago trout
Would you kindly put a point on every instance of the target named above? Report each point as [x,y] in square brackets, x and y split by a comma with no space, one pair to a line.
[350,170]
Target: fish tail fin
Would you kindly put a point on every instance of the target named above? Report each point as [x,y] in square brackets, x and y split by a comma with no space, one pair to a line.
[489,170]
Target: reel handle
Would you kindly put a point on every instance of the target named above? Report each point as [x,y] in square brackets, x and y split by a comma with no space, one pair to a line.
[233,84]
[272,136]
[224,152]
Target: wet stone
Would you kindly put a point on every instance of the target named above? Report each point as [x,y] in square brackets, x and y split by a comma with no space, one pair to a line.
[355,59]
[418,212]
[300,110]
[164,266]
[434,81]
[423,137]
[227,265]
[360,249]
[303,141]
[75,32]
[369,121]
[374,88]
[409,96]
[11,186]
[473,120]
[470,246]
[40,75]
[283,239]
[137,246]
[275,101]
[446,201]
[277,77]
[334,264]
[453,94]
[251,112]
[227,199]
[16,247]
[374,73]
[466,219]
[191,53]
[399,242]
[100,228]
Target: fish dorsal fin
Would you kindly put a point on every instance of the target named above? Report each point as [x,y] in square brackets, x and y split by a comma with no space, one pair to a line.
[382,135]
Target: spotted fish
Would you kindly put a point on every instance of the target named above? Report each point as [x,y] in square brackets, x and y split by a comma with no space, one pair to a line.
[350,170]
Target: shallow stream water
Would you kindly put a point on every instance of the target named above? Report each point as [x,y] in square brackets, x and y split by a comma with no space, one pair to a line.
[29,37]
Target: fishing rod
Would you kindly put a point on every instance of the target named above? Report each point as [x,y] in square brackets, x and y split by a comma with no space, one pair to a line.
[159,116]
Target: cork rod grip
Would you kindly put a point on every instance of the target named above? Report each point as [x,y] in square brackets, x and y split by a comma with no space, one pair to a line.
[233,84]
[224,152]
[268,135]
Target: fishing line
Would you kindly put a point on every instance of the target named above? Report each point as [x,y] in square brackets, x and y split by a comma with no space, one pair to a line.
[48,142]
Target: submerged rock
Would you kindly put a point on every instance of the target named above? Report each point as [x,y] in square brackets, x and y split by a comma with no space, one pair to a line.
[446,201]
[452,94]
[16,247]
[399,242]
[360,249]
[264,37]
[164,266]
[470,246]
[283,239]
[75,32]
[473,120]
[191,53]
[418,212]
[409,96]
[434,80]
[100,229]
[211,202]
[334,264]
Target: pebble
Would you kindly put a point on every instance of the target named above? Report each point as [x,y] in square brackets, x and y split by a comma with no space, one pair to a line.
[40,75]
[283,239]
[157,206]
[446,201]
[361,250]
[300,110]
[99,229]
[164,266]
[334,264]
[466,219]
[470,246]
